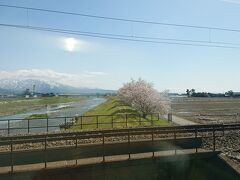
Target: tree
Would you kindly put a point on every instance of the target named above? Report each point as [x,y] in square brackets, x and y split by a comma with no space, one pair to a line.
[193,92]
[144,98]
[188,92]
[230,93]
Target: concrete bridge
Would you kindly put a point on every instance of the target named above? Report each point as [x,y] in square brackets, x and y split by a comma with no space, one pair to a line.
[44,150]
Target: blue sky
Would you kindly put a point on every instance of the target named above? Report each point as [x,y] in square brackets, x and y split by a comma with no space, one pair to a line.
[107,63]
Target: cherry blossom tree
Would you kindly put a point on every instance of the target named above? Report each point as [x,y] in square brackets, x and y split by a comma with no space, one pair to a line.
[144,98]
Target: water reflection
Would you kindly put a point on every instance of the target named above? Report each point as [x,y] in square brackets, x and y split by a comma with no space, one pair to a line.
[70,109]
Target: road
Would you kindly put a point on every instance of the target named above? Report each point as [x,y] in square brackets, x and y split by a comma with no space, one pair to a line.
[181,121]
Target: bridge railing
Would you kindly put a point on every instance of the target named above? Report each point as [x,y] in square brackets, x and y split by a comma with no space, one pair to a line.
[55,124]
[51,147]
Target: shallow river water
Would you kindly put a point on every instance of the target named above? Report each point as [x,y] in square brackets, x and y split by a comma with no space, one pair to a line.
[69,110]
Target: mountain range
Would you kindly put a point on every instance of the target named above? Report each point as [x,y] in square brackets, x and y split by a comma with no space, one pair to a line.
[15,86]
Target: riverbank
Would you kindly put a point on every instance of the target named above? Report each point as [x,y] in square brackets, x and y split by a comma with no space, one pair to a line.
[12,106]
[115,111]
[50,117]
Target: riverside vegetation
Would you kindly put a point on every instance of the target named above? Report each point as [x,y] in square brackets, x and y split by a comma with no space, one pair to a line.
[116,109]
[11,106]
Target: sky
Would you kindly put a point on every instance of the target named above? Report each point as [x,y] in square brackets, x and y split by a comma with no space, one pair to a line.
[82,61]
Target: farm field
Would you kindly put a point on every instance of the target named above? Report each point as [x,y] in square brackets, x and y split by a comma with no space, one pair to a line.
[114,110]
[207,110]
[11,106]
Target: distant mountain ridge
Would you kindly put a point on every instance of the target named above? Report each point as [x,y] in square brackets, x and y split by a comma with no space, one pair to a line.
[14,86]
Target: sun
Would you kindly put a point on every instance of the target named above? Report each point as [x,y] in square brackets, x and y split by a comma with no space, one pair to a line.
[70,44]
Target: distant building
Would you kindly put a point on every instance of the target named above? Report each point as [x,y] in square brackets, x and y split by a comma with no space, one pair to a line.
[33,94]
[48,95]
[27,93]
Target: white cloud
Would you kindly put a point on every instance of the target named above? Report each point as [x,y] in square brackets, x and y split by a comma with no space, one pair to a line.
[85,79]
[232,1]
[96,73]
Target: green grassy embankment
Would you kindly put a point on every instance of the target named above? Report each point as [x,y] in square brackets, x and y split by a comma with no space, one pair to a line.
[116,111]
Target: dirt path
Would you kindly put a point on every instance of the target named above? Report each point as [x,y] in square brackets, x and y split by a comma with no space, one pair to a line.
[181,121]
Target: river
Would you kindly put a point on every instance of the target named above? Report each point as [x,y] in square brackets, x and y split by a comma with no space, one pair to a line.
[70,109]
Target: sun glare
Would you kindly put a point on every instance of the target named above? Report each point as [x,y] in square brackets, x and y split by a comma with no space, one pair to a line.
[71,44]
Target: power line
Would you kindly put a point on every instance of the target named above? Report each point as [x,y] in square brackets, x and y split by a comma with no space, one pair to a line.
[113,36]
[129,20]
[121,19]
[134,36]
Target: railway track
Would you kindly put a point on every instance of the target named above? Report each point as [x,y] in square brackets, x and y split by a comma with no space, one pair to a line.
[50,147]
[115,135]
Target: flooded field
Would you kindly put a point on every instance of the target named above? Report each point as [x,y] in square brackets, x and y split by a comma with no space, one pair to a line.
[207,110]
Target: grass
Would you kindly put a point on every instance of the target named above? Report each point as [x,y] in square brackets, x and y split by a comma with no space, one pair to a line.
[10,106]
[37,116]
[117,111]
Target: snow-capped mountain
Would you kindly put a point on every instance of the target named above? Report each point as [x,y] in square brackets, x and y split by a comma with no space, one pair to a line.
[14,86]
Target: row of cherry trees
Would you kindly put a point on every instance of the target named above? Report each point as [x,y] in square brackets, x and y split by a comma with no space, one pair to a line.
[144,98]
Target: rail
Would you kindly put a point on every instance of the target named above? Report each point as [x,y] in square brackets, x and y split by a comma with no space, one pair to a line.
[51,147]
